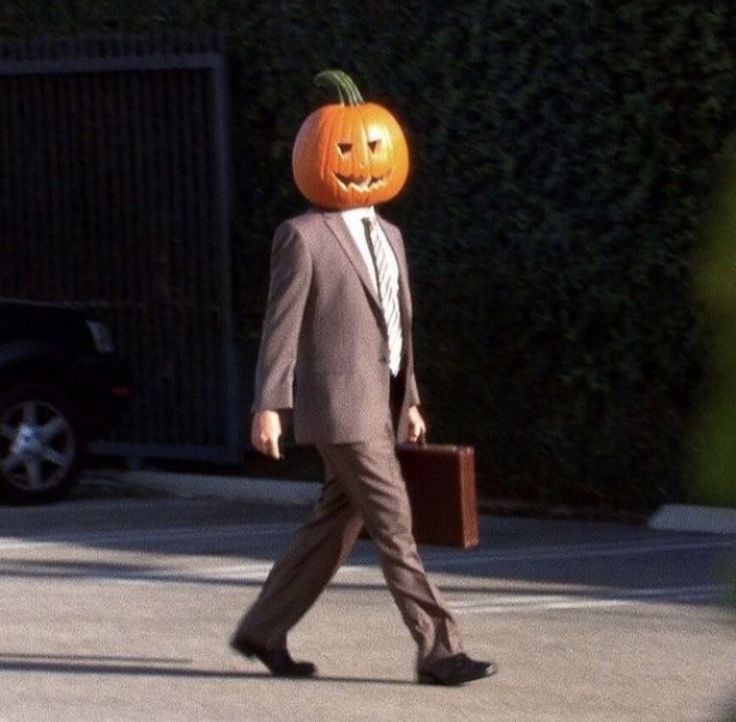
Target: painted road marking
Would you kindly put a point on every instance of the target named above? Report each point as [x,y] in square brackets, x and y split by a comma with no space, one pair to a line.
[516,603]
[145,535]
[505,603]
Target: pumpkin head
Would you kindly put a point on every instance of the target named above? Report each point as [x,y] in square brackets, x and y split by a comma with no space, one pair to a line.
[351,153]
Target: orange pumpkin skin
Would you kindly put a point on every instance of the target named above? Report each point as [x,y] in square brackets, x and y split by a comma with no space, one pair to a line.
[349,155]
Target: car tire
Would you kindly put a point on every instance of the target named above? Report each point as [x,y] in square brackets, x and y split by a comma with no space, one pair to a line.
[41,444]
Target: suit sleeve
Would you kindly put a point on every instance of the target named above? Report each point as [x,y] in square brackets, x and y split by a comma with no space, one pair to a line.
[291,274]
[412,390]
[412,397]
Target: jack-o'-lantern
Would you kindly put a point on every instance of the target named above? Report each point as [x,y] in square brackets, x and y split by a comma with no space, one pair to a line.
[351,153]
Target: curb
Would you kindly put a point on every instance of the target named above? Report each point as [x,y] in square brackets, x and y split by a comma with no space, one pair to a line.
[687,517]
[203,486]
[669,517]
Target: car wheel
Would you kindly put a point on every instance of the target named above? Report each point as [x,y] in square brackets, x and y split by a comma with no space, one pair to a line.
[40,444]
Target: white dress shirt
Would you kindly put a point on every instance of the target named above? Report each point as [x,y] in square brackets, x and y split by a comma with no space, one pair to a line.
[354,221]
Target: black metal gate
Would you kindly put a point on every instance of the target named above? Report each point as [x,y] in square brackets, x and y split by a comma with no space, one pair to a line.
[114,195]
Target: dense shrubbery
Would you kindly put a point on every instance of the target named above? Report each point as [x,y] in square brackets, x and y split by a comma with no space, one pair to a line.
[715,275]
[562,154]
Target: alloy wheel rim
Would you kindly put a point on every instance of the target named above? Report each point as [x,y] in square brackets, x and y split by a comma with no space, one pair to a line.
[37,445]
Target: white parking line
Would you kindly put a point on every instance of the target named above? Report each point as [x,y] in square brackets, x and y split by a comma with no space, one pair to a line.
[146,535]
[513,604]
[577,551]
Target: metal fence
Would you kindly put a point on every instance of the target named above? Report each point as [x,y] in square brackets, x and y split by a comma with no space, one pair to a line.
[114,195]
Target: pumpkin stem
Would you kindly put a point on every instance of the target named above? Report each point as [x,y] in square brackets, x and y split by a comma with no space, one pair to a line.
[347,90]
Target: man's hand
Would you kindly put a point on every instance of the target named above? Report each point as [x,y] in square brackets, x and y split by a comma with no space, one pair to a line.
[265,433]
[416,429]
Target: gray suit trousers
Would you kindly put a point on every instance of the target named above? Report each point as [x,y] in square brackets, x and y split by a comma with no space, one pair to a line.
[364,486]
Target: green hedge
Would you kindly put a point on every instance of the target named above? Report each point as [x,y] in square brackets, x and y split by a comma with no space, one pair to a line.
[562,153]
[714,464]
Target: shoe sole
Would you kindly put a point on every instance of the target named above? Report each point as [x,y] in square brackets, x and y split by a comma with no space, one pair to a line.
[430,679]
[249,652]
[242,649]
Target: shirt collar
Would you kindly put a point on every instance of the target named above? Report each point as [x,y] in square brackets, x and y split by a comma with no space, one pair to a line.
[357,214]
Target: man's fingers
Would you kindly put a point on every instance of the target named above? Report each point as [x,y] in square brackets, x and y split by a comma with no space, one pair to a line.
[265,433]
[271,448]
[417,433]
[268,445]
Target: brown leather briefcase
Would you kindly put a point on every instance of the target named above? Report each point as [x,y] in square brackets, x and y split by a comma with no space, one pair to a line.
[440,479]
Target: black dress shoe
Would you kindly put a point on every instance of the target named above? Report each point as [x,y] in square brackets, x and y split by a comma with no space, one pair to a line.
[455,670]
[278,661]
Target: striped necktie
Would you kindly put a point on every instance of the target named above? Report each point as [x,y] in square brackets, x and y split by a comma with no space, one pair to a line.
[388,292]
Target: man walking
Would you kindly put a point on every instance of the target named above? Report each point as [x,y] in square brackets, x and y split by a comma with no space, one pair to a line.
[337,350]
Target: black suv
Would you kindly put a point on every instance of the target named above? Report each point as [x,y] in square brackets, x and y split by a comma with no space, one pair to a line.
[60,387]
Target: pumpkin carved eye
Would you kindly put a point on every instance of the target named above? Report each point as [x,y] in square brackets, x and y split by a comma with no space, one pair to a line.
[373,145]
[344,148]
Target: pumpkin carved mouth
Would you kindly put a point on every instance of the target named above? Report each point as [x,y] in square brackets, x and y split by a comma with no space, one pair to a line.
[362,183]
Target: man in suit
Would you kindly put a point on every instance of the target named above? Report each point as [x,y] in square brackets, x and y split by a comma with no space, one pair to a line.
[337,350]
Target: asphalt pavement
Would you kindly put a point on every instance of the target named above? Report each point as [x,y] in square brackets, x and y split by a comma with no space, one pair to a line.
[120,608]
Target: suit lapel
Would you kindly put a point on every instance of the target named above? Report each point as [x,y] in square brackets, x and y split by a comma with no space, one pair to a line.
[339,229]
[337,225]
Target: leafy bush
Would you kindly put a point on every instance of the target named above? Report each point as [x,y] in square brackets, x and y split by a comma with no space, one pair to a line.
[562,154]
[714,460]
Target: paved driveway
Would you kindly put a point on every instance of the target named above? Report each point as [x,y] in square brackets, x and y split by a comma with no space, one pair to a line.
[121,609]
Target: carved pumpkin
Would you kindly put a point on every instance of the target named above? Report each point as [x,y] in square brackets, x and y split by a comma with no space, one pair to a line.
[351,153]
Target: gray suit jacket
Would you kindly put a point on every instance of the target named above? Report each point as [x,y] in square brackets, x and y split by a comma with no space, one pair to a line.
[324,348]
